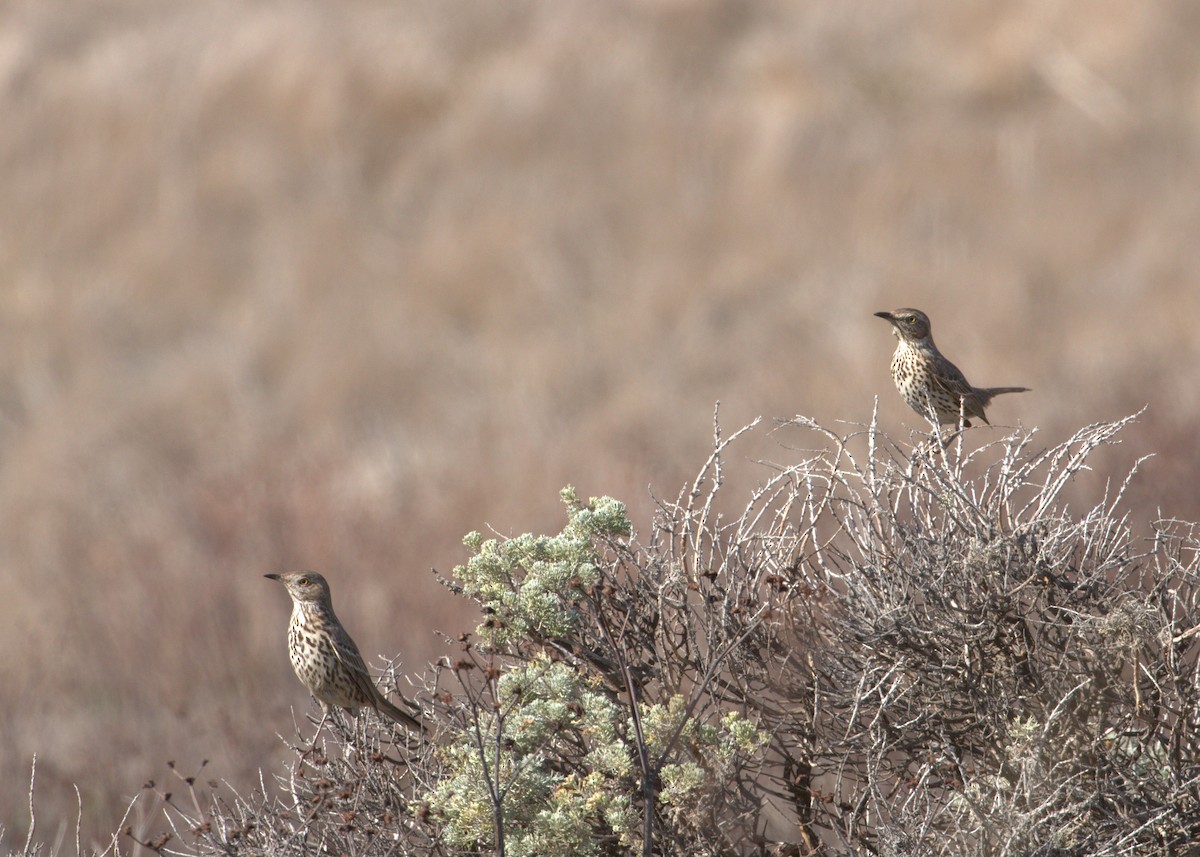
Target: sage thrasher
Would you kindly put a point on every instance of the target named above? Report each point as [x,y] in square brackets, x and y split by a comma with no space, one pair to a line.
[932,385]
[324,656]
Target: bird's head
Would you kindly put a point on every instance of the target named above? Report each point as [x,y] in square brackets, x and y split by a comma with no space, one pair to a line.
[910,325]
[303,586]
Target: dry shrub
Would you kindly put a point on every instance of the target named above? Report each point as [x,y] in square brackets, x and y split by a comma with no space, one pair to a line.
[885,651]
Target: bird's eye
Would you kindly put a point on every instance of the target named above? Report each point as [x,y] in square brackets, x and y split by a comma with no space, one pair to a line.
[303,581]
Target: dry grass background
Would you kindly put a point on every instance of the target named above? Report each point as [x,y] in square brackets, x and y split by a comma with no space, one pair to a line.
[329,285]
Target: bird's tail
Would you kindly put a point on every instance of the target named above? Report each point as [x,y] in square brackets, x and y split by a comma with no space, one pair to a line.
[402,717]
[986,394]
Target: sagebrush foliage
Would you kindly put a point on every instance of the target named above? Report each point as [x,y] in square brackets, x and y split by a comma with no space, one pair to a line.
[528,584]
[549,759]
[544,711]
[884,650]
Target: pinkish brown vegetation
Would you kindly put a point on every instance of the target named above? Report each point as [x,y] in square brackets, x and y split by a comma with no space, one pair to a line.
[328,286]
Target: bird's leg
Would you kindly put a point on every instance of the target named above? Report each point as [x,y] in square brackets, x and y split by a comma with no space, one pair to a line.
[940,440]
[357,737]
[925,450]
[320,726]
[950,437]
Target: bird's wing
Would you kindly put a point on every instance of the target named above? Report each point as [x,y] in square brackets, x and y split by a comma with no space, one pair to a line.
[347,652]
[952,380]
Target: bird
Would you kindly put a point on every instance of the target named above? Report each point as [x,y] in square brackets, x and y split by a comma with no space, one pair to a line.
[324,656]
[933,386]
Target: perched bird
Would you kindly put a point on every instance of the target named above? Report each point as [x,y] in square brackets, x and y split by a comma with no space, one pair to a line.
[932,385]
[324,656]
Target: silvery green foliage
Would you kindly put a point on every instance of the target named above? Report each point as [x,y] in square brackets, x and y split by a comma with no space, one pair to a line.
[528,583]
[549,757]
[545,710]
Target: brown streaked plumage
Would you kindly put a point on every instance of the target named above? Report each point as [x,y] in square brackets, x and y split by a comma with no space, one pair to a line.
[932,385]
[325,657]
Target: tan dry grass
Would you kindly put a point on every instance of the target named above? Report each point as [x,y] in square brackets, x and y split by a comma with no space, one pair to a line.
[289,284]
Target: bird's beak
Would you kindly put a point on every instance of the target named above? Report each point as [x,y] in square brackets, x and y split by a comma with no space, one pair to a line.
[885,315]
[272,576]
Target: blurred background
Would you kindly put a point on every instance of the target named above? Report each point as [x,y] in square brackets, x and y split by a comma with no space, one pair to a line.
[307,285]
